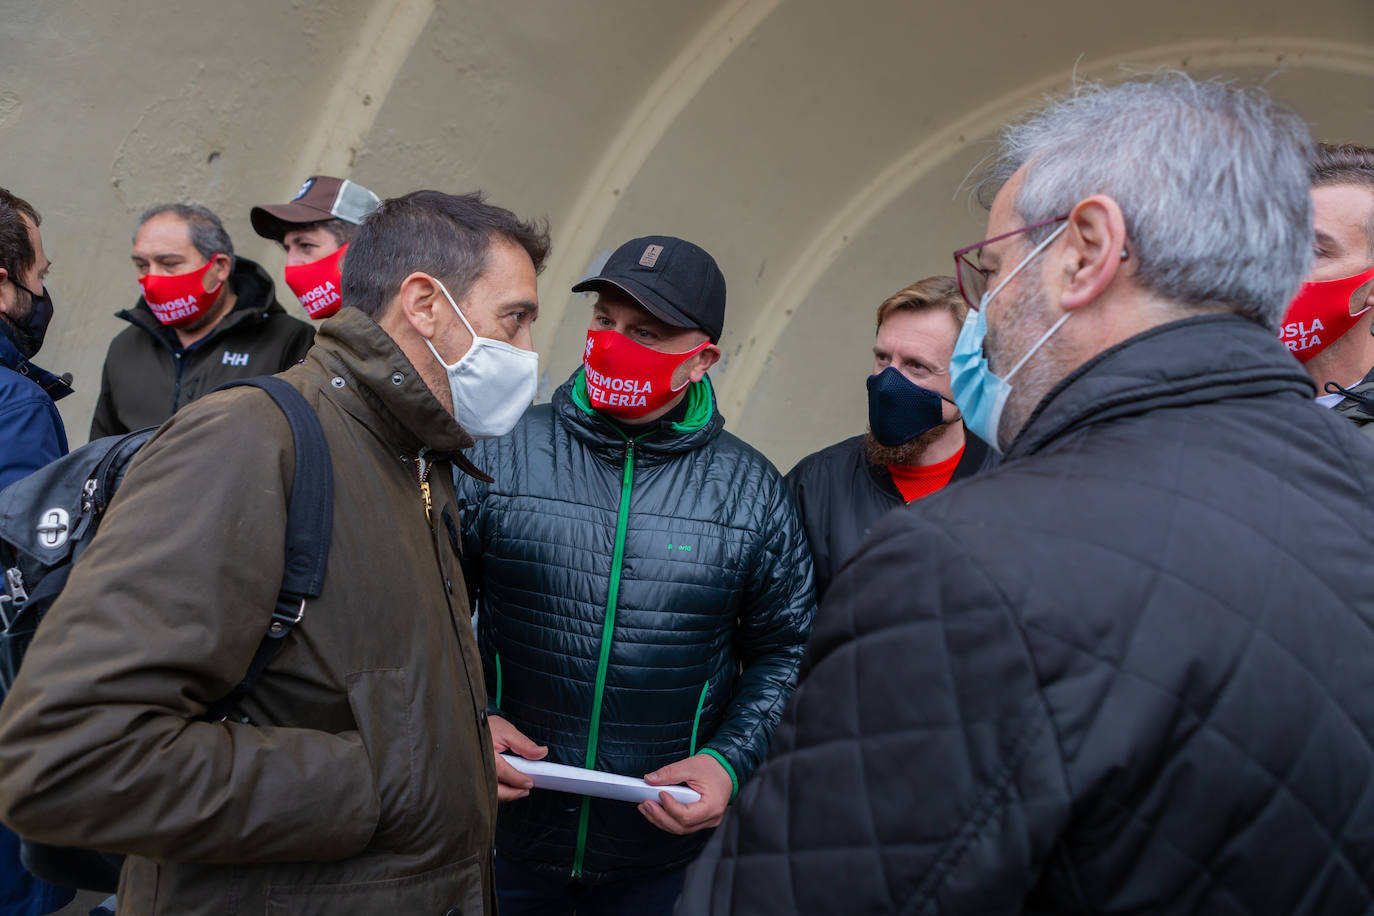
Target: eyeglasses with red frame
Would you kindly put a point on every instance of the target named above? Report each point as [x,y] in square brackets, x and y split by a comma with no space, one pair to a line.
[973,279]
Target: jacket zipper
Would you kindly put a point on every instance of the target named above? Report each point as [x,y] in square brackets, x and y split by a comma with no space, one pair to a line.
[696,720]
[607,629]
[422,466]
[178,360]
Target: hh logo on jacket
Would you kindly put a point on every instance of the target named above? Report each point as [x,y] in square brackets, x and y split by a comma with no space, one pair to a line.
[234,359]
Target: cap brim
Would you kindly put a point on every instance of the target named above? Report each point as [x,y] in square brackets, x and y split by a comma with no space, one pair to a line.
[655,304]
[275,220]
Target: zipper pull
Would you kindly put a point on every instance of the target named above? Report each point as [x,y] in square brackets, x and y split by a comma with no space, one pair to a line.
[422,466]
[14,584]
[88,495]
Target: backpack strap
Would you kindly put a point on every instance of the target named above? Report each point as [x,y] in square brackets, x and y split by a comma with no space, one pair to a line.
[309,523]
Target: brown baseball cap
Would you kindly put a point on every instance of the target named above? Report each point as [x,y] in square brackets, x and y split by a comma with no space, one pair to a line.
[321,197]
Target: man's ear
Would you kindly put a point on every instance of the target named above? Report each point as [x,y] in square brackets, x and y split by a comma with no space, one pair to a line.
[1092,256]
[223,267]
[416,303]
[1365,292]
[703,361]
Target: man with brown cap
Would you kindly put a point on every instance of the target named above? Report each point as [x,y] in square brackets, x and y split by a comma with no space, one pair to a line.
[315,228]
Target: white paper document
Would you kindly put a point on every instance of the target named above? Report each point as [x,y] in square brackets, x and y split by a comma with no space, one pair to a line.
[579,781]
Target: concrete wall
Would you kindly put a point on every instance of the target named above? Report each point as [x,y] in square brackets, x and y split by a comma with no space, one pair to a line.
[817,149]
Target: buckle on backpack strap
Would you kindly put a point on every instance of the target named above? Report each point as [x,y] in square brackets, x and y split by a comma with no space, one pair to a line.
[284,618]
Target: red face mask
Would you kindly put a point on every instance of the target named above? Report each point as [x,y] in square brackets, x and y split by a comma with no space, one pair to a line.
[1321,312]
[627,379]
[317,284]
[181,299]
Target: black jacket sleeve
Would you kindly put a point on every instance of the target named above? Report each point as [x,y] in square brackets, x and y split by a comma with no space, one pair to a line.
[774,625]
[916,770]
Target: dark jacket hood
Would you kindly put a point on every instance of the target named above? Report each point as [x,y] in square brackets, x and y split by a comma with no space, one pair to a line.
[1192,361]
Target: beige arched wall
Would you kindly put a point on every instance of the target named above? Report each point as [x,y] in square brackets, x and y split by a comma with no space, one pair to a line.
[815,148]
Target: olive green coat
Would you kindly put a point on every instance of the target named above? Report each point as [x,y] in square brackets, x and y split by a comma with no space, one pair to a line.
[364,780]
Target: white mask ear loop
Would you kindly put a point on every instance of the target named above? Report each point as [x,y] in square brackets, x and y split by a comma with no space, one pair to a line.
[1031,352]
[987,297]
[461,317]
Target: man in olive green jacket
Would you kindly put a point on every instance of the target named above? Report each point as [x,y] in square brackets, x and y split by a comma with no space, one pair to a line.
[358,776]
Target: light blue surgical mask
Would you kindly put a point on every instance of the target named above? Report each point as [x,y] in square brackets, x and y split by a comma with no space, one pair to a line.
[980,393]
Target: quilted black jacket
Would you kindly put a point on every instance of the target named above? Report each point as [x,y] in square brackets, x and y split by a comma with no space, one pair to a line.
[840,497]
[639,602]
[1131,670]
[1358,405]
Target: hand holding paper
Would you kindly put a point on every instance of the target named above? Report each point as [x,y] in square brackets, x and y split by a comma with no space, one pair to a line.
[703,774]
[510,782]
[581,781]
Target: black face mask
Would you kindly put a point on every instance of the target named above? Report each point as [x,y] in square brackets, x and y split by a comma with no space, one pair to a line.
[29,334]
[899,410]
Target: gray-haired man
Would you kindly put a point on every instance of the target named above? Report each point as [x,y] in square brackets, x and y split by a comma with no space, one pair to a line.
[205,317]
[1129,669]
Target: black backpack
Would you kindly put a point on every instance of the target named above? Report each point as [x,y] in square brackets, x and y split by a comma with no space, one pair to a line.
[48,519]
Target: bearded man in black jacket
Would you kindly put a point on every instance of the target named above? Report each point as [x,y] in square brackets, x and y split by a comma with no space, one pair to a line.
[916,442]
[1129,670]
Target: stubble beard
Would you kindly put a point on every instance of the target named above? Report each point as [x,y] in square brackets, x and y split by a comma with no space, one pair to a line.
[22,310]
[909,452]
[1026,320]
[18,318]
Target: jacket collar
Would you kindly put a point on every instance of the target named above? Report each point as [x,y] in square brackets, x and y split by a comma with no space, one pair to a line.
[977,457]
[55,386]
[1358,403]
[1182,363]
[257,299]
[383,391]
[702,423]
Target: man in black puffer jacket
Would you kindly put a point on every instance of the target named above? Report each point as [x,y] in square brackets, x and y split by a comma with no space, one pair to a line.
[644,594]
[1130,670]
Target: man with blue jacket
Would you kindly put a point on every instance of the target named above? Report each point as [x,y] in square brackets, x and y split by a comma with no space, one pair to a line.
[31,435]
[645,594]
[31,431]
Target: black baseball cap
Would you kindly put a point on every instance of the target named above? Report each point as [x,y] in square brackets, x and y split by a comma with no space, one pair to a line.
[675,280]
[322,197]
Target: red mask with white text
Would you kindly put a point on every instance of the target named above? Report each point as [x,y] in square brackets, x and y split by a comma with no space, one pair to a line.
[627,379]
[1321,312]
[317,284]
[181,299]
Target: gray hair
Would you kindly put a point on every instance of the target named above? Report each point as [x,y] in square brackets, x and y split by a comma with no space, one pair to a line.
[207,232]
[1212,180]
